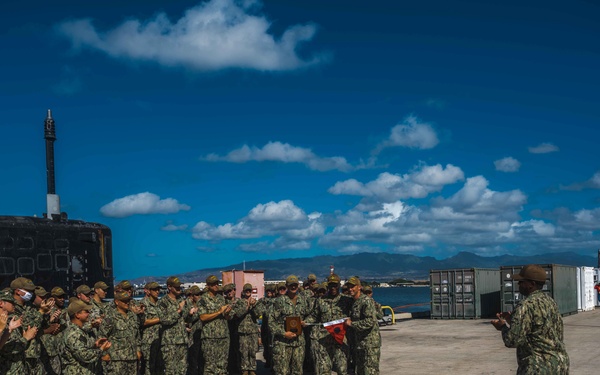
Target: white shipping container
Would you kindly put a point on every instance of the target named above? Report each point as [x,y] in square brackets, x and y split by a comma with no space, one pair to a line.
[586,294]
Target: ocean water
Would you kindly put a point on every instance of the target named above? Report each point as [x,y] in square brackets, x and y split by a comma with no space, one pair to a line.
[406,299]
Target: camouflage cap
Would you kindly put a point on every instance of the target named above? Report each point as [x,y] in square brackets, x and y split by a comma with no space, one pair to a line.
[212,279]
[228,287]
[281,285]
[40,291]
[83,289]
[77,306]
[194,290]
[268,287]
[174,282]
[333,279]
[57,291]
[531,272]
[152,285]
[22,283]
[247,286]
[101,285]
[367,289]
[124,285]
[121,295]
[7,296]
[312,277]
[291,279]
[353,281]
[322,286]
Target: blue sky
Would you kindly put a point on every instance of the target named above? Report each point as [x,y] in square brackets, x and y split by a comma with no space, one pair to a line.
[208,133]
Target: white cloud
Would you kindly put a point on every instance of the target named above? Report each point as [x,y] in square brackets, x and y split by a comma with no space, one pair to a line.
[283,220]
[174,228]
[476,198]
[142,204]
[412,134]
[284,153]
[592,183]
[213,35]
[543,148]
[391,187]
[508,164]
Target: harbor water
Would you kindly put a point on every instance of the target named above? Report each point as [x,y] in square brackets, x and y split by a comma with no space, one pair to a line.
[404,299]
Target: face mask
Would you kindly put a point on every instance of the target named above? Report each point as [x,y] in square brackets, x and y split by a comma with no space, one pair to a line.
[27,296]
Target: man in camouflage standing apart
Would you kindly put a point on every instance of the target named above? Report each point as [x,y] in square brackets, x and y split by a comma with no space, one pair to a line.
[365,331]
[173,334]
[151,331]
[247,311]
[288,351]
[124,336]
[535,327]
[328,353]
[214,313]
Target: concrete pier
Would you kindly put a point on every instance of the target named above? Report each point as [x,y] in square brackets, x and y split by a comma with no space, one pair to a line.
[423,346]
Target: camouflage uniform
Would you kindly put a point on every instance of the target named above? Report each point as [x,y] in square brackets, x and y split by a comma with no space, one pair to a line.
[125,339]
[288,354]
[174,338]
[53,344]
[247,325]
[536,330]
[215,336]
[32,318]
[151,341]
[365,336]
[328,354]
[12,354]
[80,357]
[194,324]
[265,334]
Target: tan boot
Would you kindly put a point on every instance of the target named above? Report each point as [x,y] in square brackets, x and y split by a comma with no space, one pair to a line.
[245,373]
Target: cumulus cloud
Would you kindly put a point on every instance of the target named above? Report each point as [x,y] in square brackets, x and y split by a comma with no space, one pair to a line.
[213,35]
[391,187]
[592,183]
[142,204]
[543,148]
[284,153]
[288,224]
[475,197]
[508,164]
[174,228]
[412,133]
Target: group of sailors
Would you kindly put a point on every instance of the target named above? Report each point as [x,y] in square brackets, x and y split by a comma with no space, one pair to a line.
[316,328]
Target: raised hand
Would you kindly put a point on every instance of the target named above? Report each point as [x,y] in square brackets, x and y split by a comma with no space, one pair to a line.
[30,333]
[15,323]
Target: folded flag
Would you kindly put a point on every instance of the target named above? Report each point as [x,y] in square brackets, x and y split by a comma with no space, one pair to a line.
[337,329]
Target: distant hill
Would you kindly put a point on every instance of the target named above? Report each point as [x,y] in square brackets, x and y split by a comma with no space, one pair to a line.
[379,266]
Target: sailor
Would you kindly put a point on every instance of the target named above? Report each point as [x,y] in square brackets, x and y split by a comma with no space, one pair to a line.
[194,328]
[151,331]
[174,338]
[535,327]
[214,313]
[247,311]
[288,350]
[365,331]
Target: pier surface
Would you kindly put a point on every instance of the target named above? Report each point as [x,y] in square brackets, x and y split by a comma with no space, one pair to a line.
[423,346]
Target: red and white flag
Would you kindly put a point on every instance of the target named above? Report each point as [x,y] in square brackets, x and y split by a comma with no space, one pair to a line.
[337,329]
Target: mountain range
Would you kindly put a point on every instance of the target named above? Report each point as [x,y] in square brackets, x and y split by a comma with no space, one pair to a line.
[377,266]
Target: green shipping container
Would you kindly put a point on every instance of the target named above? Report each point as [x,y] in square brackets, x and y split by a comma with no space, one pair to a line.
[561,285]
[464,293]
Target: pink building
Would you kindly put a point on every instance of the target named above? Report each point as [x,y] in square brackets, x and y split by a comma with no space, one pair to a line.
[239,278]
